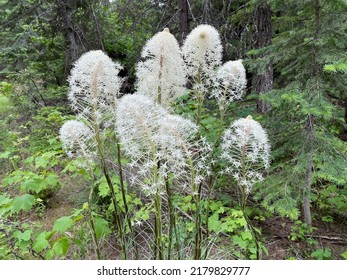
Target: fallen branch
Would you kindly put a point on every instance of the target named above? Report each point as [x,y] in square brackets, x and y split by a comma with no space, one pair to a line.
[332,238]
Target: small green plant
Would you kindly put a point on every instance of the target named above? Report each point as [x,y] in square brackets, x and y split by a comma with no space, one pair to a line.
[328,219]
[344,255]
[322,254]
[41,181]
[300,231]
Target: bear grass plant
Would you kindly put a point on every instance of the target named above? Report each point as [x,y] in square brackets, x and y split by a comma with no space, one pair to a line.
[159,156]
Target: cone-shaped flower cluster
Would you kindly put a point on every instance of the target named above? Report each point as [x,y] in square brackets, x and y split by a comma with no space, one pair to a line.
[182,151]
[161,76]
[246,150]
[230,83]
[154,139]
[202,52]
[76,138]
[94,88]
[137,121]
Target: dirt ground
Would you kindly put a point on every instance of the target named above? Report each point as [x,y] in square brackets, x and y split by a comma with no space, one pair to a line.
[277,232]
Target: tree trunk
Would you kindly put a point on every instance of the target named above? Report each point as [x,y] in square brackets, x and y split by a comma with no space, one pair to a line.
[309,170]
[263,82]
[184,18]
[67,12]
[310,120]
[307,191]
[98,29]
[206,12]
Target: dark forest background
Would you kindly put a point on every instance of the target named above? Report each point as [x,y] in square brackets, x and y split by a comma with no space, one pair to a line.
[295,54]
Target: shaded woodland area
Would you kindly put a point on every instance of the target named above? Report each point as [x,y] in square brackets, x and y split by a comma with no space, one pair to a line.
[295,56]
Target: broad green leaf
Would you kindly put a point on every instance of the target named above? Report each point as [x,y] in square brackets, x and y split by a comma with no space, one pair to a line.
[247,235]
[24,202]
[46,159]
[221,210]
[318,254]
[63,224]
[214,206]
[214,223]
[30,185]
[4,200]
[101,227]
[13,178]
[344,255]
[25,236]
[239,241]
[104,189]
[41,162]
[327,219]
[4,104]
[49,255]
[5,154]
[40,242]
[52,179]
[61,246]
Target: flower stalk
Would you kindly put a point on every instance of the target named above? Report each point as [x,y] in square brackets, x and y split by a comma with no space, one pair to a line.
[246,150]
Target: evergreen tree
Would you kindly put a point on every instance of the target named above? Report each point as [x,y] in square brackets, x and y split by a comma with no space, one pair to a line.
[309,156]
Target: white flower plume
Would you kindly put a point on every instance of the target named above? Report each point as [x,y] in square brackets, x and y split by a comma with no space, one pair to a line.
[246,150]
[137,120]
[202,52]
[155,140]
[230,83]
[161,76]
[181,151]
[94,87]
[76,137]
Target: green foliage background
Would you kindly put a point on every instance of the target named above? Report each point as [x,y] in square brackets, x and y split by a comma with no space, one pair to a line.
[308,52]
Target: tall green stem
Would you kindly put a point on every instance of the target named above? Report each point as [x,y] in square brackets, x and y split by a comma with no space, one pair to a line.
[159,91]
[172,222]
[100,149]
[198,233]
[197,197]
[158,226]
[92,226]
[168,193]
[207,213]
[121,183]
[158,250]
[91,221]
[243,202]
[123,191]
[113,195]
[199,96]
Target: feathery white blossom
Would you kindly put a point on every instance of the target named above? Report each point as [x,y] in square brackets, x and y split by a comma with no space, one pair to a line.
[161,76]
[155,140]
[137,121]
[230,83]
[94,87]
[181,150]
[202,52]
[246,150]
[75,137]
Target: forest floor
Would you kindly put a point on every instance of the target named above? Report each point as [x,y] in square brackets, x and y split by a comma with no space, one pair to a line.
[276,231]
[63,201]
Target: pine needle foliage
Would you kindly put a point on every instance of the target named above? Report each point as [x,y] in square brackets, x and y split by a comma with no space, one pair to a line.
[310,36]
